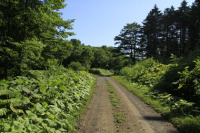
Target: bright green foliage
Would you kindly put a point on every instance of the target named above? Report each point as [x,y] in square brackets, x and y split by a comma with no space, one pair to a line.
[108,58]
[188,124]
[31,54]
[76,66]
[189,83]
[87,57]
[117,62]
[156,75]
[58,49]
[44,101]
[101,59]
[80,53]
[76,52]
[144,72]
[28,28]
[148,72]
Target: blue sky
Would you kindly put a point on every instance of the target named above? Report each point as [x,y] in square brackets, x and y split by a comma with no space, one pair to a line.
[97,22]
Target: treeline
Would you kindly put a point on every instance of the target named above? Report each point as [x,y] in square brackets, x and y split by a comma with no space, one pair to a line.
[86,57]
[33,37]
[32,31]
[172,32]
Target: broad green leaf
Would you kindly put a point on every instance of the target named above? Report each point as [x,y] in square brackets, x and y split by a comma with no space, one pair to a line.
[31,115]
[39,108]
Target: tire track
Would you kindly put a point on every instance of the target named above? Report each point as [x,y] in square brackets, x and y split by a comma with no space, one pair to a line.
[98,117]
[140,117]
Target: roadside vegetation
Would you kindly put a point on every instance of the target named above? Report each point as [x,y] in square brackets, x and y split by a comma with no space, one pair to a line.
[44,101]
[172,89]
[165,67]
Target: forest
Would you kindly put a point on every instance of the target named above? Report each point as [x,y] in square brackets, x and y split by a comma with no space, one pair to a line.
[163,34]
[161,54]
[33,34]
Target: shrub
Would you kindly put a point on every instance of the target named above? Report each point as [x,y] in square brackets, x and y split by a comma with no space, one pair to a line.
[77,66]
[189,83]
[140,72]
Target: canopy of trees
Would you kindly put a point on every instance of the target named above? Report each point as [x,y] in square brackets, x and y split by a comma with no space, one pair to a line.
[162,33]
[31,32]
[33,36]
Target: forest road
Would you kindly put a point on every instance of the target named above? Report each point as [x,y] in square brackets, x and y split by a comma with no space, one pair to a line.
[138,116]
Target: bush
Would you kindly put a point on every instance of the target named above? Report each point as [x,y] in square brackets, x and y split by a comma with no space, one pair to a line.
[189,83]
[140,72]
[188,124]
[77,66]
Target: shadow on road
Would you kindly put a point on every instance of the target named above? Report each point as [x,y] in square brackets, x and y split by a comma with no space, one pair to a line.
[153,118]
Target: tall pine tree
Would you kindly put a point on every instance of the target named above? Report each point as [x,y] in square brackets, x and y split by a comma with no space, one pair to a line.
[129,40]
[152,33]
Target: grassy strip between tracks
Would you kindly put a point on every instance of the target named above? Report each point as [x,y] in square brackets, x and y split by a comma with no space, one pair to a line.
[118,116]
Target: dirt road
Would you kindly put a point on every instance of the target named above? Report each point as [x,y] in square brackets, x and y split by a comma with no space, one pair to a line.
[139,117]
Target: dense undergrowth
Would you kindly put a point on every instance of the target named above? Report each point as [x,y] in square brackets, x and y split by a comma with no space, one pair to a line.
[43,101]
[173,89]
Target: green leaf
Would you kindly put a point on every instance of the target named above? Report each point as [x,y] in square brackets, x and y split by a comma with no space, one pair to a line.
[31,115]
[39,108]
[26,90]
[51,116]
[54,109]
[50,123]
[45,105]
[7,127]
[3,111]
[33,128]
[13,109]
[43,89]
